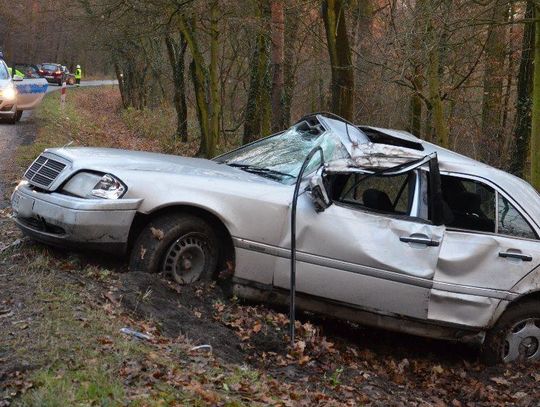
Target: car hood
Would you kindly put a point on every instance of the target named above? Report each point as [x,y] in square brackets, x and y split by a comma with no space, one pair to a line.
[116,160]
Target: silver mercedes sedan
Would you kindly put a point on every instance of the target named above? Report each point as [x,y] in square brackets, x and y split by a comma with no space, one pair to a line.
[390,230]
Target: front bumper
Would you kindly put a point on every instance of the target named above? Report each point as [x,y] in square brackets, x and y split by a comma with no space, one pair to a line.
[67,221]
[8,108]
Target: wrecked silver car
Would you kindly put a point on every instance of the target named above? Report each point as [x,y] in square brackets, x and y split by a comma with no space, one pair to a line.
[391,231]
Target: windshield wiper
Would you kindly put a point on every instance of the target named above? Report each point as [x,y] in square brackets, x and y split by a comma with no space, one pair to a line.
[261,171]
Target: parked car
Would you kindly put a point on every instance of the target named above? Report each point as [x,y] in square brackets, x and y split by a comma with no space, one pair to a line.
[53,73]
[392,231]
[8,95]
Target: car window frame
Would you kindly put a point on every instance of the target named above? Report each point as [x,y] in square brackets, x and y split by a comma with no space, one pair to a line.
[498,190]
[415,206]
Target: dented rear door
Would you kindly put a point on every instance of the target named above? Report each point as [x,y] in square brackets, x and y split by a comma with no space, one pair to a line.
[489,246]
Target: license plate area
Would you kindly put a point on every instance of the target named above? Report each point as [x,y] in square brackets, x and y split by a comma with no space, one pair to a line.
[23,206]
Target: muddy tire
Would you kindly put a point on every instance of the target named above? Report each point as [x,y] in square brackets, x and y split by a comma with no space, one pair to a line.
[181,245]
[516,335]
[18,115]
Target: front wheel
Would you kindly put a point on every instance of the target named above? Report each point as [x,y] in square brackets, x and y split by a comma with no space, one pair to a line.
[181,245]
[516,336]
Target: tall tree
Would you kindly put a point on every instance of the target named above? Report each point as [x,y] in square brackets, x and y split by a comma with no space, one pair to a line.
[258,106]
[436,120]
[492,101]
[278,59]
[337,39]
[205,81]
[522,129]
[535,118]
[176,50]
[215,104]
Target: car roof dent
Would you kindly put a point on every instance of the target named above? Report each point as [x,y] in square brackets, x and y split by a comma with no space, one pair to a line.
[365,154]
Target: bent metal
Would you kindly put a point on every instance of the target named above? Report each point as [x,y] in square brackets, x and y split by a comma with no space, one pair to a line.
[391,231]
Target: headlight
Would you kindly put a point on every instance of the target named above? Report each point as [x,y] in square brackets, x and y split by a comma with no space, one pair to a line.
[90,185]
[109,187]
[9,93]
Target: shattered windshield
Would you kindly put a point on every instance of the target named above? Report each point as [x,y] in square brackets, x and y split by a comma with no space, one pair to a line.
[280,157]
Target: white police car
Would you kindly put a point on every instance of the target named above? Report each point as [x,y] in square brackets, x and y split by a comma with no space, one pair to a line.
[18,94]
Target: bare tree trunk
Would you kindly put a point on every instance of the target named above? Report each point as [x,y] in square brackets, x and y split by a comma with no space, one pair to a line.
[434,83]
[278,57]
[200,78]
[493,84]
[415,108]
[202,106]
[258,102]
[535,118]
[291,32]
[120,78]
[176,52]
[340,58]
[215,105]
[522,130]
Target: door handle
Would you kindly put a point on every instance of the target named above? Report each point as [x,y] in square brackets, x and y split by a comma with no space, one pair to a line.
[419,240]
[513,255]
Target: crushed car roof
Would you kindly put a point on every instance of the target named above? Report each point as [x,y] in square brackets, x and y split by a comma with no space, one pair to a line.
[380,147]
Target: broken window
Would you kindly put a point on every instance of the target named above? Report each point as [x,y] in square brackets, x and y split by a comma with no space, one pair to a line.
[385,194]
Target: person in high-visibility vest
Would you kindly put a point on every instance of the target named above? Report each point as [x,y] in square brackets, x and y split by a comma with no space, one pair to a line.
[78,75]
[17,72]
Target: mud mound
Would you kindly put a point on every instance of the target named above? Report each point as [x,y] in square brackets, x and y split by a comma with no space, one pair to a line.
[181,310]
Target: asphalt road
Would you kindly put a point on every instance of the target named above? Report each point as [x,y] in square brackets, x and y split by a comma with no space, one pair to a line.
[14,135]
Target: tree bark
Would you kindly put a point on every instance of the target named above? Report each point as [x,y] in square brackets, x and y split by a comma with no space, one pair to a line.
[415,107]
[278,57]
[437,107]
[340,58]
[522,129]
[258,109]
[200,78]
[215,105]
[493,84]
[176,52]
[289,67]
[535,118]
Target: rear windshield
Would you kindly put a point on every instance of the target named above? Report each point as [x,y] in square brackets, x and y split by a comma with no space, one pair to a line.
[50,67]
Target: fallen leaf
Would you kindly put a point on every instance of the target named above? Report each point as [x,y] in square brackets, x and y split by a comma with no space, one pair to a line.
[157,233]
[500,381]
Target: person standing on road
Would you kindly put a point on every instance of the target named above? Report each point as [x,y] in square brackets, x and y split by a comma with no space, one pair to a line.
[78,75]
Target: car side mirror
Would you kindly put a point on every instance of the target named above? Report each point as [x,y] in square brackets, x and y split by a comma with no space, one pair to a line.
[17,78]
[317,191]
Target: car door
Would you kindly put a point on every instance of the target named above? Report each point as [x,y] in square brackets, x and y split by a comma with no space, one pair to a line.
[373,248]
[488,247]
[30,92]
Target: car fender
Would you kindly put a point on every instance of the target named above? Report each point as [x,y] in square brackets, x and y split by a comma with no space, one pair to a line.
[231,201]
[528,286]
